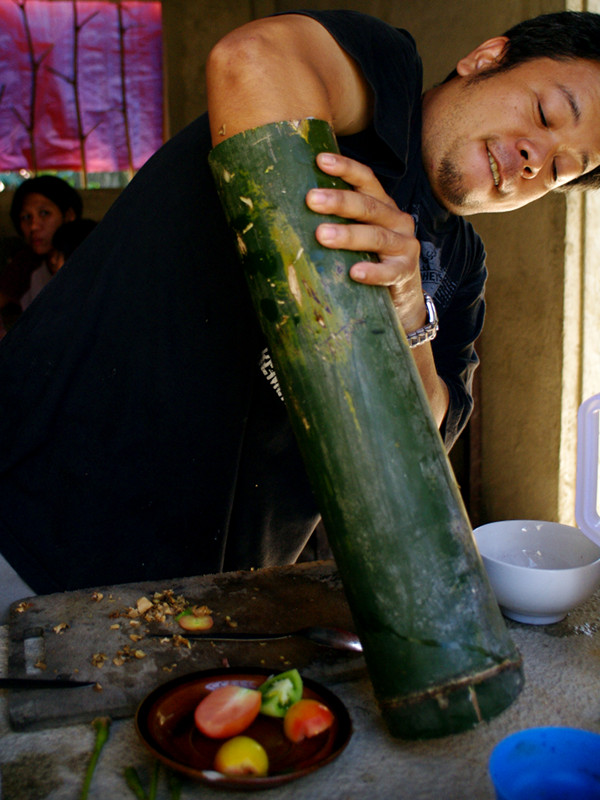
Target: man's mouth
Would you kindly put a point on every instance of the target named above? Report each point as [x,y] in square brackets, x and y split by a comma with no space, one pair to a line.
[494,168]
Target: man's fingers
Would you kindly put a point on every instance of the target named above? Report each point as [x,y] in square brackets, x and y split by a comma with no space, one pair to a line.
[368,238]
[375,225]
[388,273]
[360,208]
[353,172]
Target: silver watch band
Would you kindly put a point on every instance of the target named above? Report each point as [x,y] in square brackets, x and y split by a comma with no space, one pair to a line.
[429,331]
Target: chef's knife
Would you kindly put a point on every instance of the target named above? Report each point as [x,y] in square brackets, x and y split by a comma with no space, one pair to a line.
[42,683]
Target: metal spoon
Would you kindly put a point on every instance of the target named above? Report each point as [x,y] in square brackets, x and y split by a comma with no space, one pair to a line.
[337,638]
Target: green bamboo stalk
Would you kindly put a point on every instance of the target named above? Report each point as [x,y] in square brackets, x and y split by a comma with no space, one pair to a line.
[436,647]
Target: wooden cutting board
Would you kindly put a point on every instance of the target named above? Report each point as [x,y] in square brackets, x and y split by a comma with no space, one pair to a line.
[97,635]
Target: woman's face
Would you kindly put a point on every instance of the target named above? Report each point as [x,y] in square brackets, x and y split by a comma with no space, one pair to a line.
[39,220]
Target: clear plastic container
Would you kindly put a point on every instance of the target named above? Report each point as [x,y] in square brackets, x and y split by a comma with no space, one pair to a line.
[586,494]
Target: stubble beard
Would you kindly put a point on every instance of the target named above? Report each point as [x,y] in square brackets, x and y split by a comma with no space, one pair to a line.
[451,187]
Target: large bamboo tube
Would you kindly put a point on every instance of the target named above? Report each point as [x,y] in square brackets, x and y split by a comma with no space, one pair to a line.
[436,647]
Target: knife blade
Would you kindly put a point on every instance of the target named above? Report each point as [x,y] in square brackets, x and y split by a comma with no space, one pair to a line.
[42,683]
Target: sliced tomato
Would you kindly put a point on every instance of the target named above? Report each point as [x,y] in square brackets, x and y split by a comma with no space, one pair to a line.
[195,618]
[280,692]
[242,756]
[191,623]
[227,711]
[306,718]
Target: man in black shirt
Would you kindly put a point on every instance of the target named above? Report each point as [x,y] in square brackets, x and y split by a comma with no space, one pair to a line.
[140,438]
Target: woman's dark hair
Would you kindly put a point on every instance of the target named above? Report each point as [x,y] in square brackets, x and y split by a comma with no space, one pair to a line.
[55,189]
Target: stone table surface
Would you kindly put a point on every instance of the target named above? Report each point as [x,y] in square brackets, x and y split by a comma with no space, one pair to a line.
[562,687]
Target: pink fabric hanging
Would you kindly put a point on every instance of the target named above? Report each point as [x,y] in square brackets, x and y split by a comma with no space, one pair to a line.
[56,138]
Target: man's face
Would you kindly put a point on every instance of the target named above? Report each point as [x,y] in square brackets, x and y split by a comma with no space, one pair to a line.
[499,142]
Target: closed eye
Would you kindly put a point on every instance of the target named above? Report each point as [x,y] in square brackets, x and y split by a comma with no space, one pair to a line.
[544,122]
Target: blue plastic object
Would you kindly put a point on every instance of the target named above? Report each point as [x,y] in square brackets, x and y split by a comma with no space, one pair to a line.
[551,763]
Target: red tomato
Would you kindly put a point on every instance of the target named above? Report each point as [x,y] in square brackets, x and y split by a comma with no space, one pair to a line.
[306,718]
[227,711]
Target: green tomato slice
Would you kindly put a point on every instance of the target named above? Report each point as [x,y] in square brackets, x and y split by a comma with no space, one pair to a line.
[280,692]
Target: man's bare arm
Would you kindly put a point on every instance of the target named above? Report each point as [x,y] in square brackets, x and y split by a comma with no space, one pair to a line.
[290,67]
[286,67]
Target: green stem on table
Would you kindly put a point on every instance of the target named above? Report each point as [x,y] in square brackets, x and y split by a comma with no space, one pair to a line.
[154,782]
[174,786]
[133,781]
[102,726]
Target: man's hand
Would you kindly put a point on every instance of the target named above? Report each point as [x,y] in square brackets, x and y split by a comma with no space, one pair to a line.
[378,226]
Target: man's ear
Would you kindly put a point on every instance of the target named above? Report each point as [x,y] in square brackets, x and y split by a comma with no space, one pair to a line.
[70,215]
[487,55]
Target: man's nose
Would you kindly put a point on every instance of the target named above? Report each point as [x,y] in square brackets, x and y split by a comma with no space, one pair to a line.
[533,156]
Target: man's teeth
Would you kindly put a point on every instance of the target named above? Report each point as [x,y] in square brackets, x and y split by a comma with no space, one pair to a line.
[494,168]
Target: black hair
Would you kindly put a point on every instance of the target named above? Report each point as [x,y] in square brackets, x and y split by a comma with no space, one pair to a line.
[563,35]
[52,187]
[71,234]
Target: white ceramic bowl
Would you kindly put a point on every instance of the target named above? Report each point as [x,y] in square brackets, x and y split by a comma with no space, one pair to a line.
[538,570]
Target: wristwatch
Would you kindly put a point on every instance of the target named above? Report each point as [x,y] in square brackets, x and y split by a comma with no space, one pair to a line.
[429,331]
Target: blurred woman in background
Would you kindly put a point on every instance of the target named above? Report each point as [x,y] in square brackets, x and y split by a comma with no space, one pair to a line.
[40,206]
